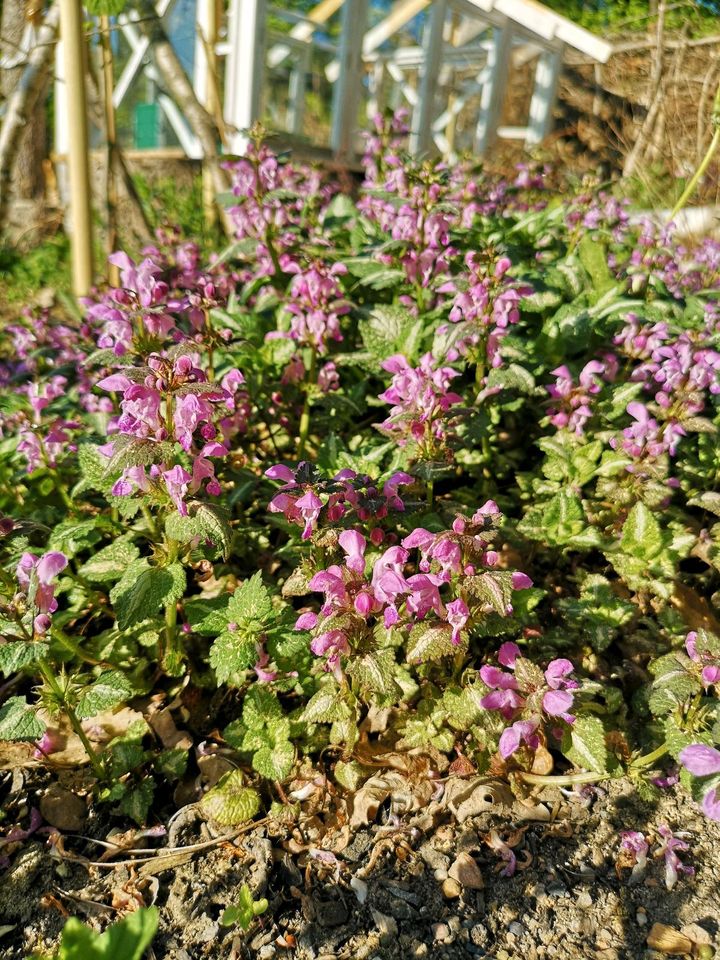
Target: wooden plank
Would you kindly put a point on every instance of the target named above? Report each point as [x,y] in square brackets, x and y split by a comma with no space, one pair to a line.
[245,69]
[542,104]
[433,42]
[493,92]
[346,94]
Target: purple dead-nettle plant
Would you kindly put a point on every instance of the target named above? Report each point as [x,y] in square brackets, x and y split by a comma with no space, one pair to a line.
[36,577]
[170,402]
[315,302]
[308,499]
[485,305]
[432,587]
[421,401]
[142,310]
[529,697]
[703,762]
[571,403]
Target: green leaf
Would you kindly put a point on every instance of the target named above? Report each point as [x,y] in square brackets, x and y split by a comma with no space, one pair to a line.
[493,589]
[212,523]
[251,604]
[325,706]
[641,534]
[18,721]
[230,655]
[230,802]
[374,673]
[136,801]
[430,642]
[143,590]
[109,8]
[275,762]
[111,562]
[583,743]
[512,377]
[128,939]
[244,911]
[110,688]
[391,329]
[17,655]
[260,706]
[593,257]
[208,617]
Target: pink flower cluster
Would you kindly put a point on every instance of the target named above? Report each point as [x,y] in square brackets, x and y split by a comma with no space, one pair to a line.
[399,589]
[315,304]
[706,661]
[486,303]
[36,578]
[141,306]
[524,692]
[571,405]
[172,401]
[305,495]
[421,398]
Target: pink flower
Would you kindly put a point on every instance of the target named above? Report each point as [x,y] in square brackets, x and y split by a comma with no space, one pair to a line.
[309,506]
[522,731]
[177,481]
[353,545]
[457,616]
[669,844]
[704,761]
[35,577]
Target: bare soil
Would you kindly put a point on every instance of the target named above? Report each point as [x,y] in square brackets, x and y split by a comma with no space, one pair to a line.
[571,900]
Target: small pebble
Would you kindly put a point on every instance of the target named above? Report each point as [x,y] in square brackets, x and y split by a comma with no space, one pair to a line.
[641,917]
[441,932]
[451,889]
[584,901]
[479,935]
[440,874]
[267,952]
[516,929]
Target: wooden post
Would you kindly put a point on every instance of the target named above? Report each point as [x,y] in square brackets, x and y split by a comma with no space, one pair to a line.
[111,193]
[346,95]
[493,93]
[547,74]
[207,91]
[78,159]
[421,135]
[245,69]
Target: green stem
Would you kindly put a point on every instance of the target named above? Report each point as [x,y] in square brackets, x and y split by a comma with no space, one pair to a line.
[170,627]
[52,682]
[705,162]
[305,416]
[273,252]
[649,758]
[562,781]
[149,521]
[430,492]
[61,488]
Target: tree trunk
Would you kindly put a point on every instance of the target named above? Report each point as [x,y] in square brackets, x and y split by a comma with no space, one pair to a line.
[24,102]
[180,89]
[28,179]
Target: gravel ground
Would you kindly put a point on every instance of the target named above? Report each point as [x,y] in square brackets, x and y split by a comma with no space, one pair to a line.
[423,885]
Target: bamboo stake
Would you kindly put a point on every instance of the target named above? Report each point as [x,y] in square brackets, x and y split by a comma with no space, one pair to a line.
[78,158]
[111,191]
[212,105]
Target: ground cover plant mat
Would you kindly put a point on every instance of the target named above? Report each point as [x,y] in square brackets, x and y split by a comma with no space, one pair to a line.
[359,583]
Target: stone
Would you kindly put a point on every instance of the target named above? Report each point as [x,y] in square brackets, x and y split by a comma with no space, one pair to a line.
[479,934]
[467,873]
[440,932]
[451,889]
[516,929]
[584,901]
[63,809]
